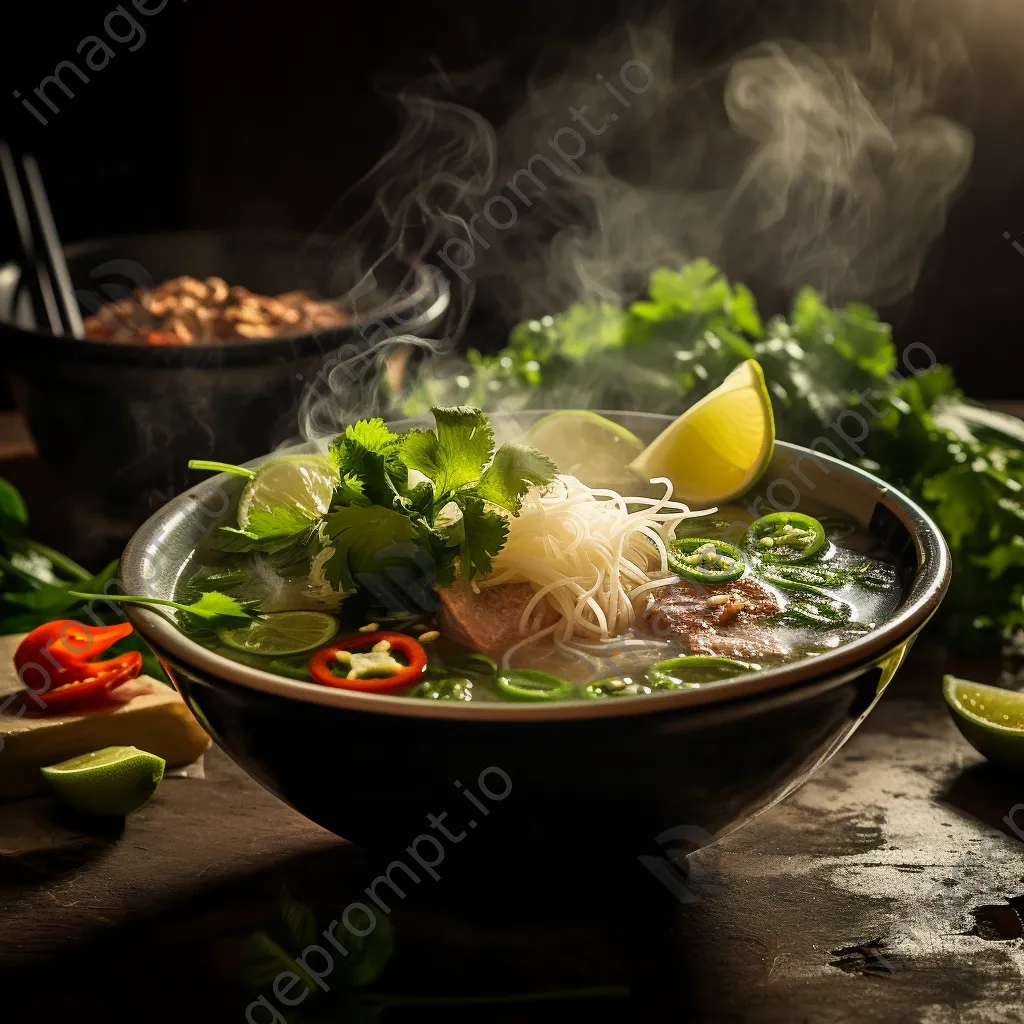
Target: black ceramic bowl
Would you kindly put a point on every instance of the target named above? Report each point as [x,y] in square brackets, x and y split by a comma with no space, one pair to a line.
[117,423]
[592,781]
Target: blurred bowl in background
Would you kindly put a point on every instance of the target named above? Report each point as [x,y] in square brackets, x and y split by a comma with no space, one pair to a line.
[116,422]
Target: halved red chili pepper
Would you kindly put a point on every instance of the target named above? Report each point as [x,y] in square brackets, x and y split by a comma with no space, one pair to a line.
[97,687]
[67,644]
[323,664]
[59,652]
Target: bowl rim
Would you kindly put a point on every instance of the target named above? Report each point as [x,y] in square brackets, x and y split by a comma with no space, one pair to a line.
[924,597]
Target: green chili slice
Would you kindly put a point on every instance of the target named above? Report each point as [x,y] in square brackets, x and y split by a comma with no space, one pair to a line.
[865,572]
[820,610]
[615,686]
[475,664]
[444,689]
[706,561]
[284,668]
[528,685]
[694,671]
[785,537]
[811,606]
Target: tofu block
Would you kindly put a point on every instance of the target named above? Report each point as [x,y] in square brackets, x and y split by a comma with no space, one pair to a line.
[159,722]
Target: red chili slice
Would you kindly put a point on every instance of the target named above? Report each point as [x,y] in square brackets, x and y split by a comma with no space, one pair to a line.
[58,652]
[67,644]
[322,663]
[96,688]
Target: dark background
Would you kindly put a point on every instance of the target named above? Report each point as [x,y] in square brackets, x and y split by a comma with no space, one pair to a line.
[261,115]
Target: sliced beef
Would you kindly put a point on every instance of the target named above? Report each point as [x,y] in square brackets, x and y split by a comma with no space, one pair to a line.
[720,619]
[489,621]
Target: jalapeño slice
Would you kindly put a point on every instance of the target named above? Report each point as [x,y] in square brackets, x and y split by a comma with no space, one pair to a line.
[706,561]
[528,685]
[451,688]
[785,537]
[694,671]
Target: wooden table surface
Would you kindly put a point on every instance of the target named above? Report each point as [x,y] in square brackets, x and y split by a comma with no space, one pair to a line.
[885,890]
[856,899]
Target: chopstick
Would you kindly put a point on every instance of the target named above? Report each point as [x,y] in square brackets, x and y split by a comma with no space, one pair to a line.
[45,268]
[44,305]
[53,251]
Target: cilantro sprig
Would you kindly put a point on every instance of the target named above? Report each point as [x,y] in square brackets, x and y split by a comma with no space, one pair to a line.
[432,499]
[409,512]
[212,607]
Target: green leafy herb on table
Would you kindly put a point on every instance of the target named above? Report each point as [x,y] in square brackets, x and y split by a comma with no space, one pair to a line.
[836,383]
[274,951]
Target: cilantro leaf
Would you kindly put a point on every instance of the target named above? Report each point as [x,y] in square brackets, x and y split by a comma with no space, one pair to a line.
[298,920]
[454,456]
[482,536]
[366,540]
[57,599]
[270,524]
[1003,557]
[212,606]
[418,500]
[373,435]
[514,469]
[12,507]
[351,491]
[369,459]
[232,541]
[264,959]
[959,499]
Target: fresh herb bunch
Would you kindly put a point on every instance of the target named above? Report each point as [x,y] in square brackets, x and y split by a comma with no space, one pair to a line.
[445,492]
[836,383]
[418,508]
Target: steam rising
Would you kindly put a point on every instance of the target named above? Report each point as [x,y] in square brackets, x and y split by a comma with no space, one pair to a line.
[788,165]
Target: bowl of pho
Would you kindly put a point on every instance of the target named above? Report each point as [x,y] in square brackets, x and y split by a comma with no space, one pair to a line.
[551,627]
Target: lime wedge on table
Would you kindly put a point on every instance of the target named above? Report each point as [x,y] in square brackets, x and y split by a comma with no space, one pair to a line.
[287,494]
[990,718]
[114,780]
[587,446]
[277,634]
[719,447]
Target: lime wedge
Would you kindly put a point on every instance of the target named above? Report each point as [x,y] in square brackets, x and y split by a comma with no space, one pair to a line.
[114,780]
[990,718]
[277,634]
[287,494]
[587,446]
[718,447]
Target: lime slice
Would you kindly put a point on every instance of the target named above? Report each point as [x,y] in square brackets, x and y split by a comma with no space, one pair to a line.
[114,780]
[720,446]
[277,634]
[990,718]
[287,494]
[587,446]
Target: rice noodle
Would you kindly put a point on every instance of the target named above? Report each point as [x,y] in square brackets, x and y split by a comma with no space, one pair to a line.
[591,554]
